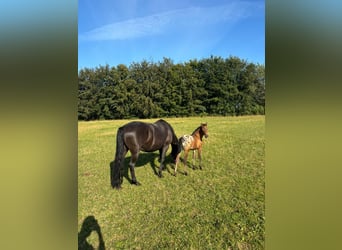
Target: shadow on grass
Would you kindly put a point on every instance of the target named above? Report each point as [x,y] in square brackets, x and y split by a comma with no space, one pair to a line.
[144,159]
[88,226]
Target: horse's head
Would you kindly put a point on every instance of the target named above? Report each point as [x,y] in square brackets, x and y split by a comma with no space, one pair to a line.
[176,149]
[204,129]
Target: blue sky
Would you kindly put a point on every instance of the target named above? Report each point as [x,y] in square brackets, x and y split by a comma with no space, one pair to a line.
[124,31]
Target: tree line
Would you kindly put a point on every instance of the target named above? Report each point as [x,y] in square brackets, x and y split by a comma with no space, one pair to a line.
[210,86]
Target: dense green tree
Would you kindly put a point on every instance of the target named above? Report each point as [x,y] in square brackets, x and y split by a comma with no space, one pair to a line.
[213,86]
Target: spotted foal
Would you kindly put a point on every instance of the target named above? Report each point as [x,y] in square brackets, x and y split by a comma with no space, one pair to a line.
[192,142]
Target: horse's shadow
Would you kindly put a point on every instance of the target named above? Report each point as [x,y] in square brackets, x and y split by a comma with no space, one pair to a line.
[145,159]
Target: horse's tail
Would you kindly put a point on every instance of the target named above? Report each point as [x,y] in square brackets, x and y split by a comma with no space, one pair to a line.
[116,178]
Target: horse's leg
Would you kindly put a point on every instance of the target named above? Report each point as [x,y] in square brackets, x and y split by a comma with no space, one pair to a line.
[200,157]
[131,164]
[162,159]
[186,152]
[193,158]
[122,167]
[160,154]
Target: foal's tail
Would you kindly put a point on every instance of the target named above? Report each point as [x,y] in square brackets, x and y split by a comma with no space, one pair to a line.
[115,173]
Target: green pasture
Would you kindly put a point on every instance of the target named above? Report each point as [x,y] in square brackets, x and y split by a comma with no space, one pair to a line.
[219,207]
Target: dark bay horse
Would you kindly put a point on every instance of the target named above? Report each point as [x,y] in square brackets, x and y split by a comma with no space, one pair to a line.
[140,136]
[192,142]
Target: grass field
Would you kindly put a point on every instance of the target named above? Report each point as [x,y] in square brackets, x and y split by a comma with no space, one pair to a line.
[219,207]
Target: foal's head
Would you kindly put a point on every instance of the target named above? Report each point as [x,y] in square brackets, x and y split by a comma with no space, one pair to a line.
[204,129]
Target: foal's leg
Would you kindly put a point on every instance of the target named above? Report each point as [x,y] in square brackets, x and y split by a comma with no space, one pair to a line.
[177,161]
[185,162]
[200,157]
[193,158]
[131,164]
[162,159]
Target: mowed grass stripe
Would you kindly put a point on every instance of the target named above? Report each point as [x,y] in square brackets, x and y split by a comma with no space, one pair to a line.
[219,207]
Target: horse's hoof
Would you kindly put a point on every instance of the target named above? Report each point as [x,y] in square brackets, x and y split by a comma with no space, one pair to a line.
[117,187]
[174,174]
[186,173]
[136,183]
[160,175]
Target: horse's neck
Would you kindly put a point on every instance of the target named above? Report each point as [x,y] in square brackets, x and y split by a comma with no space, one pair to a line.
[197,133]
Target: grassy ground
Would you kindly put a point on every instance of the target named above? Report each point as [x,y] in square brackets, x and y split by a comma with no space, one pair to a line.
[219,207]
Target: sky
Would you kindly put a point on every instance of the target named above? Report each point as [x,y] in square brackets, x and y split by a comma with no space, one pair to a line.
[117,32]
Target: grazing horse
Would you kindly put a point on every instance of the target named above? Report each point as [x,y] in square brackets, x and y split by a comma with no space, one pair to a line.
[140,136]
[192,142]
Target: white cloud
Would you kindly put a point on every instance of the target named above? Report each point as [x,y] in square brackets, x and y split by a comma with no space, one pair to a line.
[159,23]
[131,28]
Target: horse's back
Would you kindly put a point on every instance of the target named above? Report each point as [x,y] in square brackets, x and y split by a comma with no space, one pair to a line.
[187,141]
[136,134]
[146,136]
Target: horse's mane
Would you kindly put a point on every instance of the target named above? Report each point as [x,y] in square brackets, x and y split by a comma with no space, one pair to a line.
[196,130]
